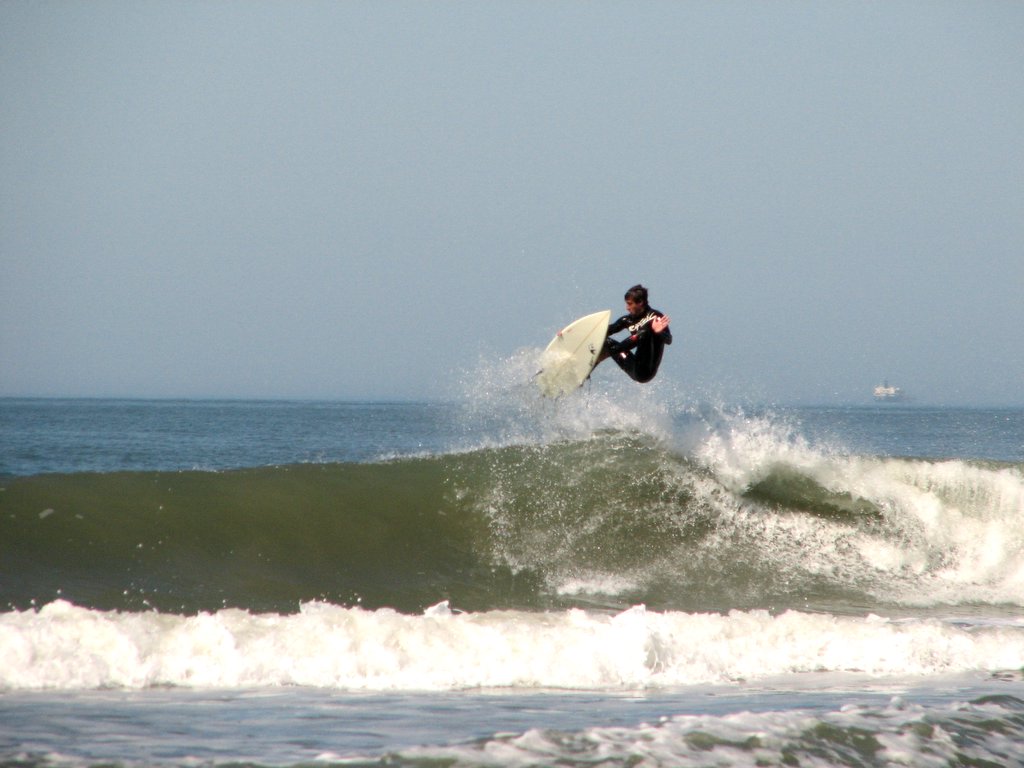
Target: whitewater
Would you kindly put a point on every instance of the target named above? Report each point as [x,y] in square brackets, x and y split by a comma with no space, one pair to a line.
[614,577]
[68,647]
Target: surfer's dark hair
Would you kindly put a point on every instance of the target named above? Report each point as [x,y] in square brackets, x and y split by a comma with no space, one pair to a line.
[637,294]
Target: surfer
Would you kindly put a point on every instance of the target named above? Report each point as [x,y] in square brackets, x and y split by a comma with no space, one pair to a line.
[639,354]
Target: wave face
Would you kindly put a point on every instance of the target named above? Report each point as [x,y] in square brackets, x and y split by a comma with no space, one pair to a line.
[744,519]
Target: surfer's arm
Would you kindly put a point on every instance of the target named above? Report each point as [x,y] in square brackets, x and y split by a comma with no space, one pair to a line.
[611,346]
[618,325]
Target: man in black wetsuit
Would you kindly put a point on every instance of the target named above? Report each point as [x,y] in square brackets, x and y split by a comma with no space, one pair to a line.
[639,355]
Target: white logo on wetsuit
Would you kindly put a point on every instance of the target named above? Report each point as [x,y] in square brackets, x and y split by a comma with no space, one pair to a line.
[633,329]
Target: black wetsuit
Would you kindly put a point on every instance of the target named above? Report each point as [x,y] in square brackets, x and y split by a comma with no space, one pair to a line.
[639,355]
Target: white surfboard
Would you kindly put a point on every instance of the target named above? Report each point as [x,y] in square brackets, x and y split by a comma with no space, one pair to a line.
[572,354]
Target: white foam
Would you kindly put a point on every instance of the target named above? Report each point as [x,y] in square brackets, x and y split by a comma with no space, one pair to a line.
[63,646]
[742,450]
[953,531]
[895,734]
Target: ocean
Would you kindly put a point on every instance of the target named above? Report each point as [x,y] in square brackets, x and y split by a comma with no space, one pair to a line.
[624,577]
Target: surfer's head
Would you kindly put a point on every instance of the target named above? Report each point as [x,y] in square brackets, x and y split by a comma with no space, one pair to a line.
[636,299]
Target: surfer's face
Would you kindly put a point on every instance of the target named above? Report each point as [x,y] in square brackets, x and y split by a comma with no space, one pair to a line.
[635,307]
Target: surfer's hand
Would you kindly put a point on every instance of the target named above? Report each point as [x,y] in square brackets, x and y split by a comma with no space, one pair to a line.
[659,324]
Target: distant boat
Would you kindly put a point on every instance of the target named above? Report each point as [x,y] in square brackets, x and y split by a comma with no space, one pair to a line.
[886,394]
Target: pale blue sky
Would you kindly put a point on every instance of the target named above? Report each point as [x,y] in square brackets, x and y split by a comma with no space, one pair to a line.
[365,199]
